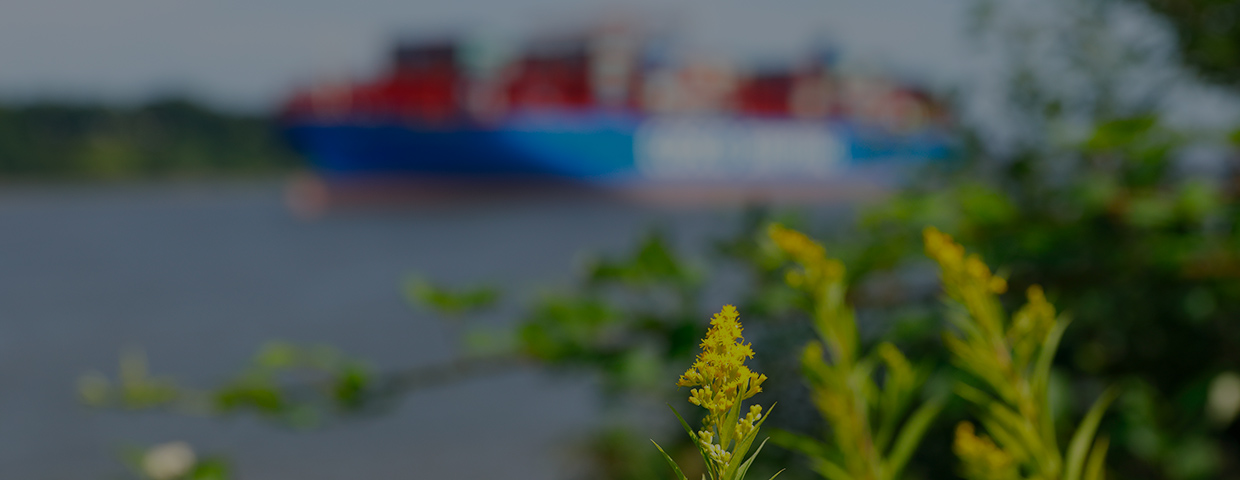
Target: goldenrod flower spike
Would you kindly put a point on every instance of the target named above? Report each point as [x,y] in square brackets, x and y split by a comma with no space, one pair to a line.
[818,270]
[969,281]
[966,272]
[983,460]
[720,369]
[823,278]
[723,382]
[1012,363]
[874,426]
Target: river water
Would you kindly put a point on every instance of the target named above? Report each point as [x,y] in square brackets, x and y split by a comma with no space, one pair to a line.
[199,275]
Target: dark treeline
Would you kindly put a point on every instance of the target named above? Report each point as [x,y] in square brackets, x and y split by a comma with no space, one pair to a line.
[170,137]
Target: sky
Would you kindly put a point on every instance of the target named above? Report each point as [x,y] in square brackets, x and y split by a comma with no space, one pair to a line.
[248,54]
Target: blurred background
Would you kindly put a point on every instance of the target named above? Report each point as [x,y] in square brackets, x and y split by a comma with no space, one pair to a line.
[318,240]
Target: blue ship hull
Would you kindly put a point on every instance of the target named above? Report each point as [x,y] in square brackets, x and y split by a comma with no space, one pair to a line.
[611,148]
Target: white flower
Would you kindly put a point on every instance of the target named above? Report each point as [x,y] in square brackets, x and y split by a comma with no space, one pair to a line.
[168,460]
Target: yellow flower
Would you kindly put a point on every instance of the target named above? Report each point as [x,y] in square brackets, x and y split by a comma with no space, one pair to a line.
[720,369]
[817,270]
[969,281]
[958,269]
[723,382]
[1030,325]
[983,460]
[745,425]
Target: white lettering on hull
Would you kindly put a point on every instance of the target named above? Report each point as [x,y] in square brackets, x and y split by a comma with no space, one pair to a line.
[686,149]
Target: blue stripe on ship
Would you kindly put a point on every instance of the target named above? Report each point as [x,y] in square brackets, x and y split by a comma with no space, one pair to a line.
[585,147]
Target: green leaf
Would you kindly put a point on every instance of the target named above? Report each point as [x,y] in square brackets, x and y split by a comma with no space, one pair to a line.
[1085,434]
[910,436]
[676,468]
[974,395]
[830,470]
[1008,441]
[740,472]
[742,444]
[449,302]
[1016,424]
[693,438]
[1042,369]
[1095,468]
[725,434]
[805,444]
[1010,431]
[901,381]
[683,423]
[210,469]
[1041,380]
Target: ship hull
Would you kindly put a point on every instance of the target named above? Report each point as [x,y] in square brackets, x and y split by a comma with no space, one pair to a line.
[613,149]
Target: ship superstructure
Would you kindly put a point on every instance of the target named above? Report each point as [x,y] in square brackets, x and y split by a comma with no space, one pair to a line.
[600,107]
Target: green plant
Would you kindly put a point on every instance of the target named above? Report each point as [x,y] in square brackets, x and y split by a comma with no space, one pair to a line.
[872,435]
[724,383]
[447,301]
[1011,360]
[297,385]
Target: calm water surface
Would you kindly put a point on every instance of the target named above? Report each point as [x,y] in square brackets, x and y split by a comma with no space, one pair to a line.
[200,275]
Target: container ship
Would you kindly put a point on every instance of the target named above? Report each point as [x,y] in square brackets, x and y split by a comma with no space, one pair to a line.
[604,110]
